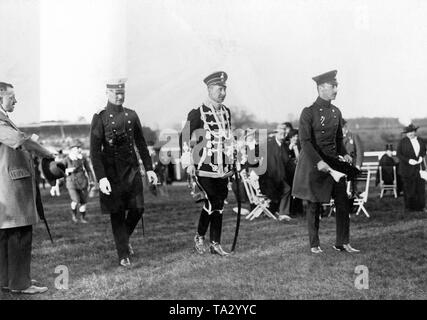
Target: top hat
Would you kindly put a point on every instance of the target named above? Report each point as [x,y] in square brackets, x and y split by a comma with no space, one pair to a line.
[52,170]
[410,128]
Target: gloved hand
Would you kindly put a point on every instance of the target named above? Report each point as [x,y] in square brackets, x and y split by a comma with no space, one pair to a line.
[413,162]
[152,177]
[348,158]
[104,186]
[69,171]
[323,166]
[420,159]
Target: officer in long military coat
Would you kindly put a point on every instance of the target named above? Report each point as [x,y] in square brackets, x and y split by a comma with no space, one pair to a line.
[322,143]
[210,161]
[115,137]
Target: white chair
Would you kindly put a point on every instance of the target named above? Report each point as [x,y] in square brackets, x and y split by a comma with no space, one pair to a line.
[388,187]
[364,176]
[255,197]
[361,199]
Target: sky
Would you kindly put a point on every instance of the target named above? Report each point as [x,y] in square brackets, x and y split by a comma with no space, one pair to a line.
[60,53]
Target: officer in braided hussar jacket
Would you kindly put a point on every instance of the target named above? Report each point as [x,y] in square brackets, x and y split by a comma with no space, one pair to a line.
[116,135]
[210,161]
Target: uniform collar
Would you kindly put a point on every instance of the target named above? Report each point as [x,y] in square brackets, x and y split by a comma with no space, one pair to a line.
[114,107]
[322,103]
[4,112]
[210,103]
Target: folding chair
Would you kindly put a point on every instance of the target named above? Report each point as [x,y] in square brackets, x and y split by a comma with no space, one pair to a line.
[256,198]
[364,176]
[386,187]
[361,199]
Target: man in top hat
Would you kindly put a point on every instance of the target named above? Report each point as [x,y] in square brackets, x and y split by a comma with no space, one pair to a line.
[78,178]
[322,145]
[210,160]
[18,199]
[115,138]
[411,151]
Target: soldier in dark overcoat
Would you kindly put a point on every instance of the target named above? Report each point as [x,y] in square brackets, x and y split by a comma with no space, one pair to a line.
[322,145]
[115,139]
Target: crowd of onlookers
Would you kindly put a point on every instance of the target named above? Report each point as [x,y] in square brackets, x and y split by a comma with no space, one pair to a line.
[282,150]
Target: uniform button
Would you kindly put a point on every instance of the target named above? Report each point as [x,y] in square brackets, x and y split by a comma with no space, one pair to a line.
[320,109]
[333,110]
[128,121]
[114,130]
[335,117]
[111,115]
[126,114]
[130,129]
[323,131]
[113,122]
[323,124]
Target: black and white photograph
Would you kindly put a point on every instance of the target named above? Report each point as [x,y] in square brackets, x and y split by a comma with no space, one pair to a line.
[212,155]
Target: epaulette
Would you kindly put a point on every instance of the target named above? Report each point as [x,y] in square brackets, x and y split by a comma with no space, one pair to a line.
[128,110]
[100,110]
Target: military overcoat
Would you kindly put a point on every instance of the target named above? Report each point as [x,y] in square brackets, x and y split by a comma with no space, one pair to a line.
[320,133]
[116,135]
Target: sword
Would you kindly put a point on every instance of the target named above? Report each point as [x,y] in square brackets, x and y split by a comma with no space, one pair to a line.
[239,205]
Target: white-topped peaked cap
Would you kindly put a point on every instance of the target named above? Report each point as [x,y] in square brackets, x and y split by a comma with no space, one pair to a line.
[118,83]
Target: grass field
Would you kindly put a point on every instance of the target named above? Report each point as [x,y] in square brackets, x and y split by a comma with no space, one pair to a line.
[272,260]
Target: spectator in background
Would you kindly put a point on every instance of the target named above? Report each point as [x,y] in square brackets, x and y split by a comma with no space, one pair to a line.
[78,178]
[249,161]
[288,128]
[353,145]
[56,185]
[273,183]
[411,151]
[387,163]
[294,148]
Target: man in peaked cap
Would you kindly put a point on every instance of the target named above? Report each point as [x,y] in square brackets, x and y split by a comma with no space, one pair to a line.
[209,161]
[322,145]
[115,138]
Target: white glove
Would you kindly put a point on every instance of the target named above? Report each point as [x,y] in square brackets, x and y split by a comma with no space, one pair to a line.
[413,162]
[104,186]
[420,159]
[152,177]
[69,171]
